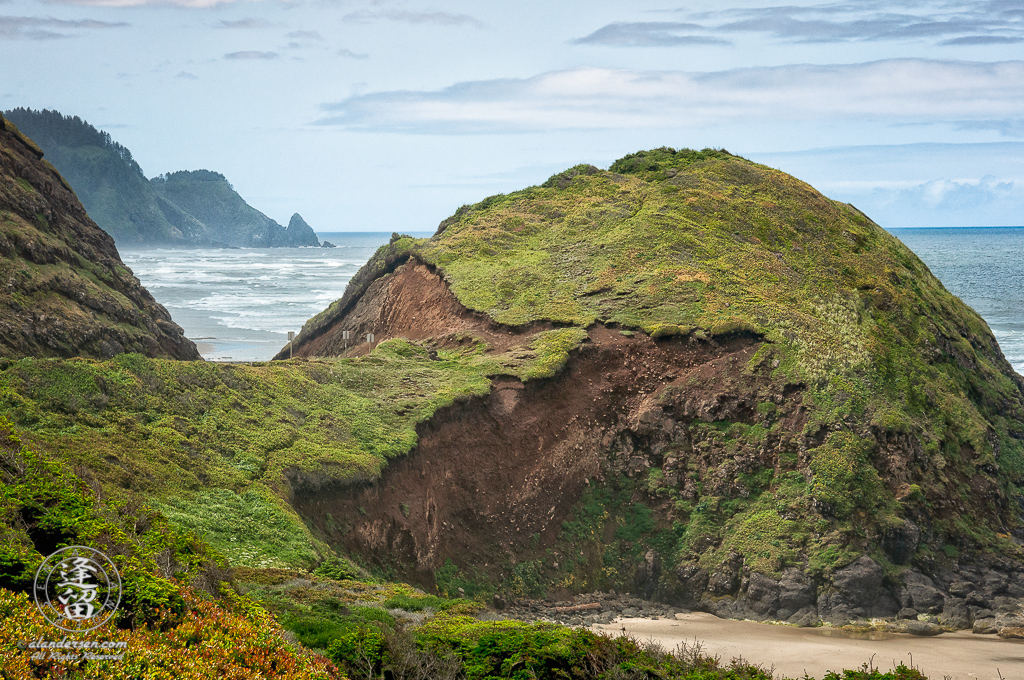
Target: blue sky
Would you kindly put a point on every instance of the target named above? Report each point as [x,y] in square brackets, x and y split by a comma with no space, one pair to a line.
[388,115]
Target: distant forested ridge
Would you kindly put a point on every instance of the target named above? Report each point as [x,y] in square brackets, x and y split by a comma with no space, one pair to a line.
[188,208]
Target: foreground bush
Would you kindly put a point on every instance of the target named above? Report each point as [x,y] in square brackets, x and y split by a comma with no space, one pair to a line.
[451,647]
[213,641]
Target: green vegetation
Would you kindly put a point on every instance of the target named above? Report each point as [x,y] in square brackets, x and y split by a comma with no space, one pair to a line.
[860,363]
[175,590]
[219,448]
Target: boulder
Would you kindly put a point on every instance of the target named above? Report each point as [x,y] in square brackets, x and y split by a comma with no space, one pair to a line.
[985,626]
[923,628]
[919,592]
[796,590]
[955,613]
[859,592]
[1012,632]
[762,596]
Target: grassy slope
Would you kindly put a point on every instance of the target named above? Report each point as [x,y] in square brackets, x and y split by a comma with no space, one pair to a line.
[209,444]
[177,613]
[178,617]
[710,244]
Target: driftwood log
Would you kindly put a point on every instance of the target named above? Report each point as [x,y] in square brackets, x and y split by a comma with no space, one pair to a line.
[577,608]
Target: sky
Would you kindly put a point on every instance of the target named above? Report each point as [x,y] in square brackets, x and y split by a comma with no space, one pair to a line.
[388,115]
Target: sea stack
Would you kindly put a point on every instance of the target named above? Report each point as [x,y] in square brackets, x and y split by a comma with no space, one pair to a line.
[299,233]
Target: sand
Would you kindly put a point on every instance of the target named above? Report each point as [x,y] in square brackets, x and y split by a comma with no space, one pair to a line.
[958,656]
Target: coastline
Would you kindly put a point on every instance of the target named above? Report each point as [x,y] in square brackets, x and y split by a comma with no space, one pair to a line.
[793,651]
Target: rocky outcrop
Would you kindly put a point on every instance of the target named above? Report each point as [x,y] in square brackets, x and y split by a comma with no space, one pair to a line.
[298,233]
[63,288]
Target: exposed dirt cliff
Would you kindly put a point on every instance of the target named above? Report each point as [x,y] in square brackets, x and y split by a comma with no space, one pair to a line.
[763,405]
[65,291]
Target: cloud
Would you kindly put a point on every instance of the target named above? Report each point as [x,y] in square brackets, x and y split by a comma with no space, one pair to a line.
[961,23]
[648,34]
[243,23]
[983,40]
[435,18]
[187,75]
[349,54]
[251,54]
[41,28]
[1007,128]
[890,91]
[305,35]
[947,202]
[188,4]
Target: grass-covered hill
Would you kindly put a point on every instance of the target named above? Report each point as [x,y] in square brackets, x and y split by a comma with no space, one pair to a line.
[65,291]
[183,208]
[690,377]
[846,406]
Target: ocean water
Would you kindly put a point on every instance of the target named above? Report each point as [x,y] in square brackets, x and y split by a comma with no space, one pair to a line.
[239,304]
[984,267]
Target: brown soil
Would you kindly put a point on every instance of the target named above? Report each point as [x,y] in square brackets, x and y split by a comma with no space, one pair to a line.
[492,480]
[413,303]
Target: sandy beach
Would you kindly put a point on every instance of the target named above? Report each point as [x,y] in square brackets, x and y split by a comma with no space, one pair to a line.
[794,651]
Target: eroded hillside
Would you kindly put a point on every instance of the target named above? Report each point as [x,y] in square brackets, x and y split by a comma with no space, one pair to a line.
[742,382]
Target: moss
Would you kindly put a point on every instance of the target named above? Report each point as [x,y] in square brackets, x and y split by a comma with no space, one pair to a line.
[552,351]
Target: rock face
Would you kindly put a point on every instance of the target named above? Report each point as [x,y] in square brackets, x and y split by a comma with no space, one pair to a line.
[227,218]
[299,233]
[65,290]
[748,407]
[187,208]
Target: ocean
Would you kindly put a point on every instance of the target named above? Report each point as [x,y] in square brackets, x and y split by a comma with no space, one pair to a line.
[984,267]
[239,304]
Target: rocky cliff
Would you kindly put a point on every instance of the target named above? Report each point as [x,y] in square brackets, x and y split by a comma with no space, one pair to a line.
[741,396]
[228,219]
[65,290]
[198,208]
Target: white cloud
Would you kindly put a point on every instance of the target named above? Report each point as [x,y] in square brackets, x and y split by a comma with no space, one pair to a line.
[436,18]
[649,34]
[252,54]
[247,23]
[48,28]
[962,23]
[892,91]
[988,201]
[349,54]
[189,4]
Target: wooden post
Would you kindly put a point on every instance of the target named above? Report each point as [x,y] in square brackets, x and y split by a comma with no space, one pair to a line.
[291,336]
